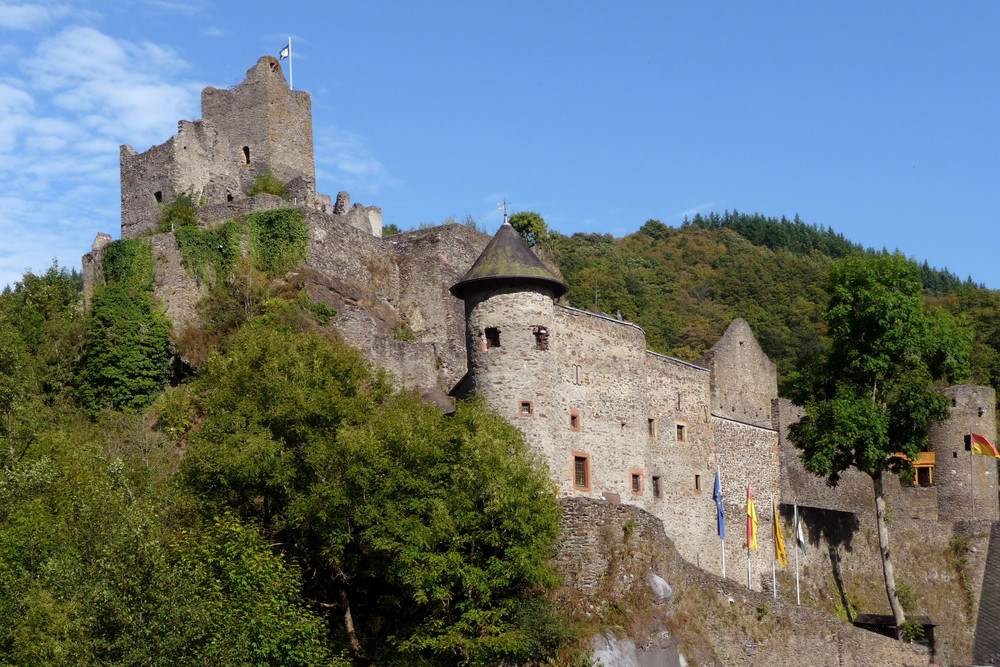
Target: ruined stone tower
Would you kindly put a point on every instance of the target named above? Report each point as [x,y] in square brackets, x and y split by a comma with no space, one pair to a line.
[258,125]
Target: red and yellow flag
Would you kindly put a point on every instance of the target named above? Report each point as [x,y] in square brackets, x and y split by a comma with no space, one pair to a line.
[779,540]
[751,521]
[981,445]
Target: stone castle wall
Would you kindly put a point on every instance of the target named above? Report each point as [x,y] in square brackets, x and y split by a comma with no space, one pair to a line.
[744,380]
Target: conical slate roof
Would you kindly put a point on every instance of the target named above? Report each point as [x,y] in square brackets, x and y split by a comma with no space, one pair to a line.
[507,259]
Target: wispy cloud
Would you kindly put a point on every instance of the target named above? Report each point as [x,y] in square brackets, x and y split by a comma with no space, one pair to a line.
[344,161]
[64,109]
[30,16]
[694,210]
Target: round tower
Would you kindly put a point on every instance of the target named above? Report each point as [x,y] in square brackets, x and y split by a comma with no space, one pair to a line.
[966,482]
[508,296]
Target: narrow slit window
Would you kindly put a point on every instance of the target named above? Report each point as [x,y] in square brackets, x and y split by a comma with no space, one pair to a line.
[574,420]
[541,337]
[697,483]
[651,425]
[657,493]
[492,337]
[637,481]
[681,433]
[526,409]
[581,472]
[246,155]
[158,196]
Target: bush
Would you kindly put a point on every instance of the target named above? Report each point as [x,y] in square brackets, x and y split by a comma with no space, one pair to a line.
[268,183]
[179,213]
[130,264]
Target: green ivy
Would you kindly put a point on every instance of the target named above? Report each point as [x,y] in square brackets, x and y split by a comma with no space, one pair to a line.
[277,240]
[209,254]
[125,364]
[321,312]
[130,263]
[177,214]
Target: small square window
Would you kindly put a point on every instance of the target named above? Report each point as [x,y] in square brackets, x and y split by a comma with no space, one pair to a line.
[637,481]
[697,483]
[651,424]
[541,337]
[492,337]
[574,420]
[581,471]
[526,409]
[657,492]
[681,433]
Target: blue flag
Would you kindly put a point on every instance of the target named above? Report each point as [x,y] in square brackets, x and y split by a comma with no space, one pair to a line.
[717,496]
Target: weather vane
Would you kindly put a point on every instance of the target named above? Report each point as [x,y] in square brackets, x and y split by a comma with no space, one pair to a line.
[502,206]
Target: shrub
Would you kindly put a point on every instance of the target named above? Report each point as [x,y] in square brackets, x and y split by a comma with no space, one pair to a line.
[129,263]
[268,183]
[209,254]
[179,213]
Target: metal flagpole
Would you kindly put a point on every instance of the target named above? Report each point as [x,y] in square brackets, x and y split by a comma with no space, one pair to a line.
[749,575]
[291,84]
[774,552]
[798,600]
[972,474]
[718,472]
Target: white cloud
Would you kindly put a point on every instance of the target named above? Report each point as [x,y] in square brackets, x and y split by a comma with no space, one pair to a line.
[687,213]
[30,17]
[344,161]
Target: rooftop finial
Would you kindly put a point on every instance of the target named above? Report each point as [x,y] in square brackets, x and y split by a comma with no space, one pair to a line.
[503,207]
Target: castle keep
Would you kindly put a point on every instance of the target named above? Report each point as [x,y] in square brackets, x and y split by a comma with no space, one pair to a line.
[612,420]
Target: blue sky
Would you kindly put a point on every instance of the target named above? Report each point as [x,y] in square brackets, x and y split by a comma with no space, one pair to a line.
[876,119]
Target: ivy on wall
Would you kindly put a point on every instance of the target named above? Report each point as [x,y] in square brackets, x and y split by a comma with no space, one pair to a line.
[277,240]
[130,263]
[125,364]
[209,254]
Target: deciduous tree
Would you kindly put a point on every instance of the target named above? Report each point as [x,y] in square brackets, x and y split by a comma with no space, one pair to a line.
[873,395]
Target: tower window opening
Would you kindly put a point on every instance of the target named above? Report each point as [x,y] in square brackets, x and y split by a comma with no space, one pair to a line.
[651,424]
[526,409]
[246,155]
[637,481]
[574,420]
[492,337]
[581,471]
[541,337]
[158,196]
[697,483]
[657,492]
[681,433]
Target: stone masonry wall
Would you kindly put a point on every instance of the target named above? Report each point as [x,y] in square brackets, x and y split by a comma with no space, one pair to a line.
[744,380]
[955,466]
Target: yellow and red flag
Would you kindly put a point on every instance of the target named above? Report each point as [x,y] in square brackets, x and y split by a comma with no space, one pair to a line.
[751,521]
[981,445]
[779,540]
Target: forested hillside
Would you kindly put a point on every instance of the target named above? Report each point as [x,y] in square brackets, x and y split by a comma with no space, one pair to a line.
[685,284]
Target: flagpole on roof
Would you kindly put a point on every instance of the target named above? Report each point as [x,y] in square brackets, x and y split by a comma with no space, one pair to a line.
[286,52]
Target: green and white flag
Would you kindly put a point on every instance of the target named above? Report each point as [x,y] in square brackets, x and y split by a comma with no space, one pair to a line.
[799,537]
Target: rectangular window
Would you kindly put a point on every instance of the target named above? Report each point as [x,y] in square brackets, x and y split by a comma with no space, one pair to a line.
[526,409]
[541,337]
[581,471]
[492,337]
[697,483]
[652,427]
[681,433]
[574,420]
[657,493]
[637,481]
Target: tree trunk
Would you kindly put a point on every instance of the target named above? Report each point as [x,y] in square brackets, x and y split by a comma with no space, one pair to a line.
[883,544]
[345,605]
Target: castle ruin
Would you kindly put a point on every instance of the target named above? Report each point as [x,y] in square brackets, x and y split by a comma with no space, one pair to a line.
[612,420]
